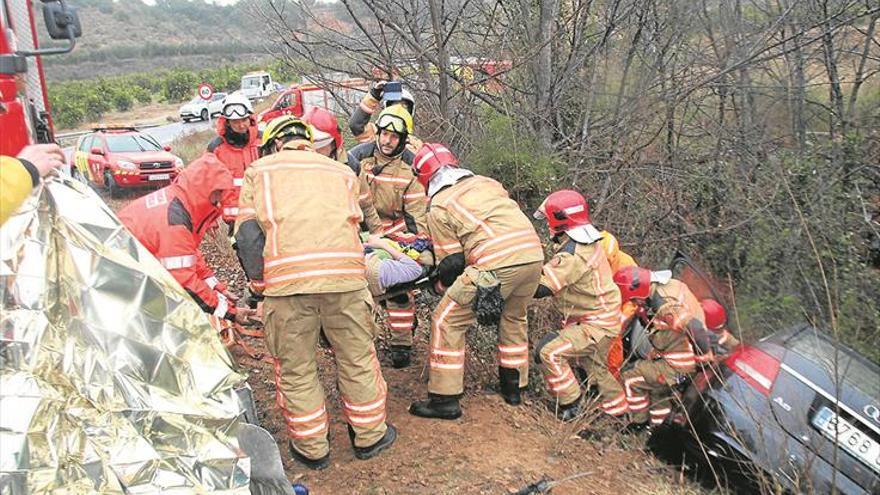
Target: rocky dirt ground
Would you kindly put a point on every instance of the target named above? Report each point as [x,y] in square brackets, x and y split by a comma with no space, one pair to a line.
[493,449]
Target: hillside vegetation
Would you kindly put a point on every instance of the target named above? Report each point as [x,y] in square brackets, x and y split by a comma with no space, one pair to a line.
[125,36]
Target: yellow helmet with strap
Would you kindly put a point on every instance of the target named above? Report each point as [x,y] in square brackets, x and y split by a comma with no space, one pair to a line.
[283,127]
[396,119]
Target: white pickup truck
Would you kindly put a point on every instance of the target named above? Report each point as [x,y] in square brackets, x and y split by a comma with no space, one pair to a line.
[257,85]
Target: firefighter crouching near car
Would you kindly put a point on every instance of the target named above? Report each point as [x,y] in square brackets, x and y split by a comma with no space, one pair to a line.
[582,281]
[722,339]
[19,175]
[673,320]
[171,223]
[398,202]
[481,239]
[236,145]
[365,131]
[298,238]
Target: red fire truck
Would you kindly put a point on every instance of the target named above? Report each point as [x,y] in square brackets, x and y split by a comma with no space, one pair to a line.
[24,106]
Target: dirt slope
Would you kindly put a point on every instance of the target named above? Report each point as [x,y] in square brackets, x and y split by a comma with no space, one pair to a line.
[494,448]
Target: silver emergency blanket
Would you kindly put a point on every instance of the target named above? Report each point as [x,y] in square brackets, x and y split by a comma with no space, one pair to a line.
[112,380]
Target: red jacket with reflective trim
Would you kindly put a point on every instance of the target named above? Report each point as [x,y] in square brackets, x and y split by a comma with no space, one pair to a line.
[237,159]
[171,223]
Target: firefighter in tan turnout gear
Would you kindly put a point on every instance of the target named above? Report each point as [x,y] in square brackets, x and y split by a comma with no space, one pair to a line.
[674,326]
[392,198]
[582,281]
[481,240]
[298,238]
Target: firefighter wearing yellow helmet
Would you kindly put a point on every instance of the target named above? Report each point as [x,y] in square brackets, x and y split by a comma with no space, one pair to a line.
[298,240]
[365,131]
[397,208]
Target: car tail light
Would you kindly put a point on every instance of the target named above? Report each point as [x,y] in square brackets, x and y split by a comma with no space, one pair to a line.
[756,367]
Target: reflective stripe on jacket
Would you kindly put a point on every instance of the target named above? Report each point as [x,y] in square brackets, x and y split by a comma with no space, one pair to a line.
[171,223]
[476,217]
[580,277]
[306,205]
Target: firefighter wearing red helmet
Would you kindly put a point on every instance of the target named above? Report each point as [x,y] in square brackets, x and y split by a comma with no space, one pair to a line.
[236,145]
[670,326]
[171,223]
[394,205]
[716,322]
[326,133]
[580,278]
[488,264]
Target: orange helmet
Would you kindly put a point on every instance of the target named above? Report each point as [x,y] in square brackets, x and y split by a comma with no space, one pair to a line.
[716,316]
[634,283]
[564,210]
[431,158]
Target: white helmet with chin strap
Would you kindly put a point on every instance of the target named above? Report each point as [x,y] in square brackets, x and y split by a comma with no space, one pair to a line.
[406,98]
[237,106]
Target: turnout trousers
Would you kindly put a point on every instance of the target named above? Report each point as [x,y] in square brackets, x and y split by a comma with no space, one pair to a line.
[401,319]
[454,315]
[649,392]
[589,347]
[292,324]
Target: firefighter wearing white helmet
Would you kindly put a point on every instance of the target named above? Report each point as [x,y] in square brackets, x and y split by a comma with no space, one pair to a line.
[397,208]
[365,131]
[236,145]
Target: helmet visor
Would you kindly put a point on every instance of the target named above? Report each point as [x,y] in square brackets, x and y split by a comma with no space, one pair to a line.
[391,123]
[235,111]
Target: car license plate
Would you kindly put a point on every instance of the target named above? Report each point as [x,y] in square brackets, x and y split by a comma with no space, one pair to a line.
[159,177]
[848,437]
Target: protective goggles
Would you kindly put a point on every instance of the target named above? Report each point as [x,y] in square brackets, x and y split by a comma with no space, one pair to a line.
[391,123]
[235,111]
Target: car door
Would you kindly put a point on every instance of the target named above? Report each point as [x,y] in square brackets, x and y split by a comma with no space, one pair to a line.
[81,156]
[216,105]
[97,163]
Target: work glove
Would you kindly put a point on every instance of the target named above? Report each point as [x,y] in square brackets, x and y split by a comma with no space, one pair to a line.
[377,90]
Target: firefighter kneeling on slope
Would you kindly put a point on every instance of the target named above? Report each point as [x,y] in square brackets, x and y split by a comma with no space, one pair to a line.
[171,224]
[298,239]
[489,264]
[580,277]
[396,201]
[670,325]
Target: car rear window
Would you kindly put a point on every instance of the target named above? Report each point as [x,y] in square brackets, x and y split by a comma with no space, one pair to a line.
[131,143]
[838,360]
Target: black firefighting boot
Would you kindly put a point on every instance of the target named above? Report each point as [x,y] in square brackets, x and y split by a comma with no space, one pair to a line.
[568,412]
[636,428]
[437,406]
[316,464]
[508,385]
[383,443]
[401,356]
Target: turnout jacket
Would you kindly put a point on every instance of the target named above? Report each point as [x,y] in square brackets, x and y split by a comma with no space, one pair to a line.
[582,281]
[297,230]
[394,202]
[677,321]
[476,221]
